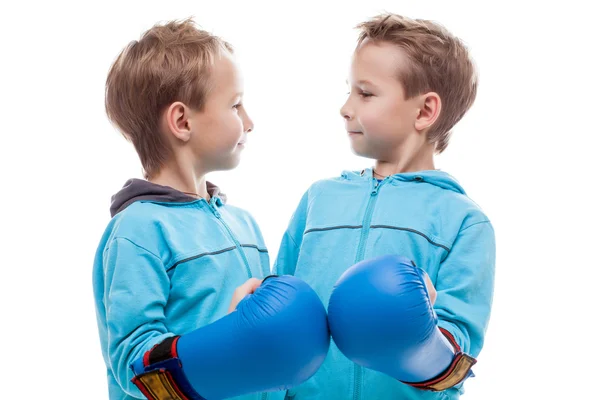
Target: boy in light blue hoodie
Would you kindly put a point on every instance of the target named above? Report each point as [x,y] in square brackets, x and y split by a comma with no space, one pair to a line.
[410,82]
[175,256]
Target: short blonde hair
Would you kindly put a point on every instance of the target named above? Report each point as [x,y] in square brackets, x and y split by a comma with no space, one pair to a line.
[171,62]
[438,62]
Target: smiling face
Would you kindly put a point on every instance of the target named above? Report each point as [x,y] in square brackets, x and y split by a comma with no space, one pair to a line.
[378,118]
[221,127]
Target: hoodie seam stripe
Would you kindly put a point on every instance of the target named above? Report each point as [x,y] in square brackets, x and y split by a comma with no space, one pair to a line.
[377,227]
[413,231]
[333,228]
[212,253]
[260,250]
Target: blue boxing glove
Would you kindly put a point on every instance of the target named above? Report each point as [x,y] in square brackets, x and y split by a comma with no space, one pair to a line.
[276,339]
[380,317]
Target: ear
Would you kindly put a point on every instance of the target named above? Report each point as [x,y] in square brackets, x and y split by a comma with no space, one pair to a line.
[177,118]
[429,110]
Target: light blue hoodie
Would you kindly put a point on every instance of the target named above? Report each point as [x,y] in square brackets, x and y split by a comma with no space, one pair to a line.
[166,265]
[425,216]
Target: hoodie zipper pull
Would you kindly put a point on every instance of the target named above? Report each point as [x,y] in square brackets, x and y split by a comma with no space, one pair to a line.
[376,188]
[213,207]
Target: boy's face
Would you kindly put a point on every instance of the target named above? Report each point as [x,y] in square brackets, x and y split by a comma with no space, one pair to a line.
[378,118]
[220,129]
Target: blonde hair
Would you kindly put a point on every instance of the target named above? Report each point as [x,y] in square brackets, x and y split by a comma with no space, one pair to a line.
[171,62]
[438,62]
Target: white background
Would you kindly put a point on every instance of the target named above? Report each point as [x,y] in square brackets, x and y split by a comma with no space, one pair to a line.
[525,153]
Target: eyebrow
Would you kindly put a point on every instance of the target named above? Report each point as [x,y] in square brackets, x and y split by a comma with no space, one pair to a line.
[362,82]
[238,94]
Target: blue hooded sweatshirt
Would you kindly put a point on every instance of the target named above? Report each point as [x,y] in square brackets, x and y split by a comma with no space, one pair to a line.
[166,265]
[425,216]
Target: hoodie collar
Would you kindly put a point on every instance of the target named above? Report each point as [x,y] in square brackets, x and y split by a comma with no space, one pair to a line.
[139,189]
[433,177]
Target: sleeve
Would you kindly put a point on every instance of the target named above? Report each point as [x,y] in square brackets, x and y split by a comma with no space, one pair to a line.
[135,294]
[287,257]
[465,286]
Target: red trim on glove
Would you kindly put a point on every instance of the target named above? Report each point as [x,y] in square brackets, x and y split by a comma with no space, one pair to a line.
[452,371]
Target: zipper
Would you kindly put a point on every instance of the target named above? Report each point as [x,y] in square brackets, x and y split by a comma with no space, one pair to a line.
[217,214]
[364,234]
[360,254]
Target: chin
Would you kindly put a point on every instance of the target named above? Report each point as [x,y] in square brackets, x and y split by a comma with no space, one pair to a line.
[356,150]
[229,164]
[234,163]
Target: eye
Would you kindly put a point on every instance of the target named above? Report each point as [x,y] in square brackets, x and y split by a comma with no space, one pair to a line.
[238,105]
[365,94]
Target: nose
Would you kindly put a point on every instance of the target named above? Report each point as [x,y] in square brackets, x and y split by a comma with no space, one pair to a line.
[248,123]
[345,111]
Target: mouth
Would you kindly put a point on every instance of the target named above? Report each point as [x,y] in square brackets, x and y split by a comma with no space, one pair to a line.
[352,133]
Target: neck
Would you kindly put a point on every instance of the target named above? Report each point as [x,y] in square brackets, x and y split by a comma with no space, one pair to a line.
[184,180]
[408,160]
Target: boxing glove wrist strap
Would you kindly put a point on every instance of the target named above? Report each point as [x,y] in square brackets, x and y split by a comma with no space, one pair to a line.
[163,377]
[458,371]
